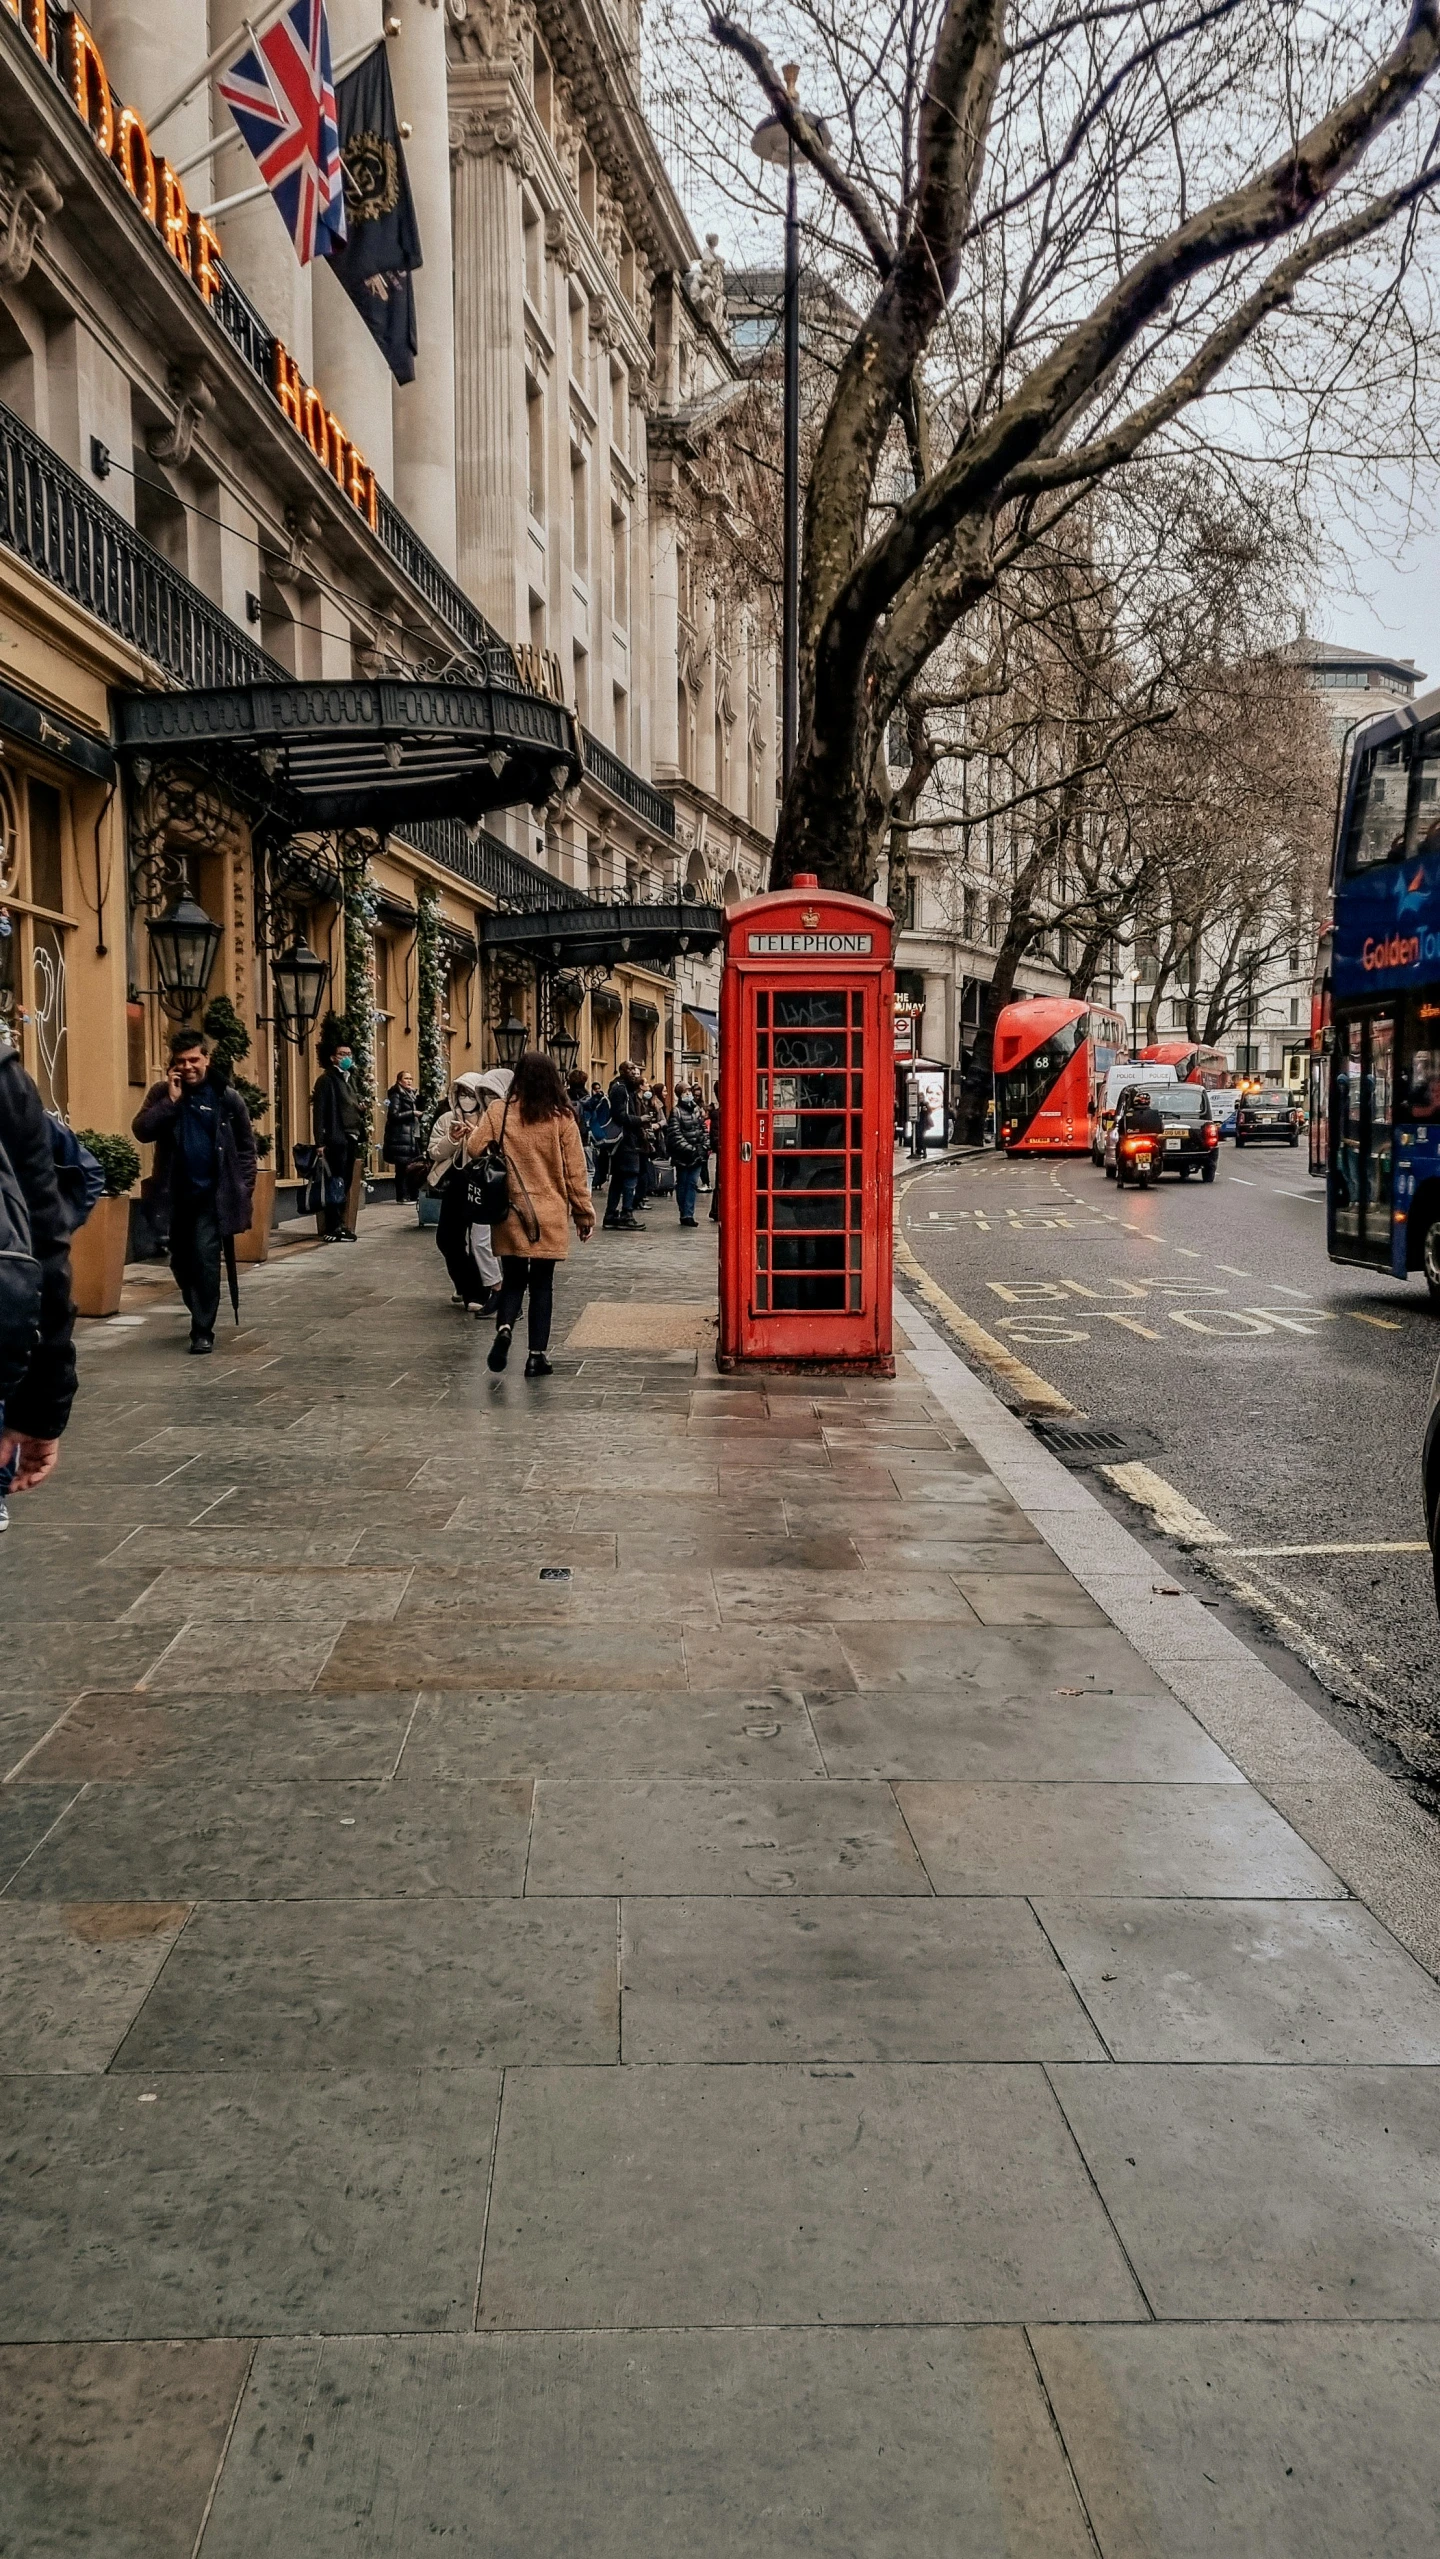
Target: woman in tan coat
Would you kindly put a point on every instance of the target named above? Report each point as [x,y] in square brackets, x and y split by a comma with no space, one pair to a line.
[545,1162]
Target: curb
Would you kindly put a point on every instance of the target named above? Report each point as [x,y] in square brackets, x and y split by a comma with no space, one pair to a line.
[1385,1849]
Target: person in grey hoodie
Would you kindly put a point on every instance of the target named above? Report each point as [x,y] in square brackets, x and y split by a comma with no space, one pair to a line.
[473,1267]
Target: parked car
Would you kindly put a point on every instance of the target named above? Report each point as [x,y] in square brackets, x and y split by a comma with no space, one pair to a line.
[1272,1113]
[1187,1142]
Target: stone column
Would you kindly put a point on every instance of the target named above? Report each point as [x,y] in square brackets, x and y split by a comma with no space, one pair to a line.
[491,459]
[424,410]
[148,46]
[348,366]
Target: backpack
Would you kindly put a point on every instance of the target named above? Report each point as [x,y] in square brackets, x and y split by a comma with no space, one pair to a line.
[78,1176]
[19,1278]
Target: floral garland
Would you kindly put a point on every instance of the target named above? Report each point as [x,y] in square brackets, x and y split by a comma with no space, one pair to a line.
[362,905]
[428,991]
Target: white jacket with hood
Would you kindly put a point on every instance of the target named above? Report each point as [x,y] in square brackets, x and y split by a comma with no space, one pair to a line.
[469,1096]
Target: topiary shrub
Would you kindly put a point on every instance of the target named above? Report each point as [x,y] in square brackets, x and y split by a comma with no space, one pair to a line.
[118,1160]
[229,1042]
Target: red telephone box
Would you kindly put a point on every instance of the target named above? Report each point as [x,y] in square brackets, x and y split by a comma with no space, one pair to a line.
[807,1131]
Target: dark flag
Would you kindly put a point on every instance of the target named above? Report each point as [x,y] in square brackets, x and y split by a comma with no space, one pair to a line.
[376,261]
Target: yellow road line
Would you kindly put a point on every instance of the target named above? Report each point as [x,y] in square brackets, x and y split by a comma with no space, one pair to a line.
[1382,1323]
[1172,1512]
[1378,1546]
[1033,1390]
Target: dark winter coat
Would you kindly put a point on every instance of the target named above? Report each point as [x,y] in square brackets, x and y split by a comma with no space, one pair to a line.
[337,1117]
[40,1404]
[689,1136]
[154,1125]
[403,1141]
[625,1112]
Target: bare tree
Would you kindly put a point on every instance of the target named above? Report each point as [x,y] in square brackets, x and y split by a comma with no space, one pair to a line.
[1075,218]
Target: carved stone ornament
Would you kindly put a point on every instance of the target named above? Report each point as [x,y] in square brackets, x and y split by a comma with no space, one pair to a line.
[171,813]
[303,526]
[34,200]
[561,241]
[604,326]
[497,33]
[497,130]
[194,396]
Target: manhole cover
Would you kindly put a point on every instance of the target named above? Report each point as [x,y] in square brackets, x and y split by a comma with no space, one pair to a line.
[1095,1443]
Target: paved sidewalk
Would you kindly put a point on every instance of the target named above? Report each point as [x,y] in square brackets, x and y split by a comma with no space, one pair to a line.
[634,1966]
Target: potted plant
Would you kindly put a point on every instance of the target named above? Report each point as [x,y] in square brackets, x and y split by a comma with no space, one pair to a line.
[229,1042]
[98,1249]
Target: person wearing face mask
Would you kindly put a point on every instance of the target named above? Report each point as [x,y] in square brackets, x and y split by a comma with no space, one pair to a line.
[466,1250]
[337,1118]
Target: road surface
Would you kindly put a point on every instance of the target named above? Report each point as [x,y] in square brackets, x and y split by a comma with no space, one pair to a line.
[1284,1396]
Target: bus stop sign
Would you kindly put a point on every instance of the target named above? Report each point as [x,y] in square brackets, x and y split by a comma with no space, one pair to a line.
[807,1088]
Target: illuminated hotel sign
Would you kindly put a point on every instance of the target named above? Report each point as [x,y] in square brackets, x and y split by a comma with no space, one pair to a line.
[119,133]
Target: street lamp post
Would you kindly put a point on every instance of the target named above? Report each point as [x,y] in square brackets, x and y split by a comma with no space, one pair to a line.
[1134,977]
[774,140]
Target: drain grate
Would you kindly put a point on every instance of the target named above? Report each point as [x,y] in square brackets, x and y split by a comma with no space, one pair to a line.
[1096,1443]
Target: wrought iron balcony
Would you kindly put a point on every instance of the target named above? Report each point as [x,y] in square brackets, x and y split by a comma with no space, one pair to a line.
[70,537]
[514,882]
[615,776]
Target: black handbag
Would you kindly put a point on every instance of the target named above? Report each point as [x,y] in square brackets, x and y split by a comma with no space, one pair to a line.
[487,1180]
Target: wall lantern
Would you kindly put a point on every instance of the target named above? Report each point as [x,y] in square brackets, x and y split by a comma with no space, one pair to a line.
[186,945]
[300,978]
[510,1039]
[565,1049]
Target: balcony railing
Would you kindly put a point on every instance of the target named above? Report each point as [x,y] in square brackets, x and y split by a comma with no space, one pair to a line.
[510,878]
[254,343]
[615,776]
[70,537]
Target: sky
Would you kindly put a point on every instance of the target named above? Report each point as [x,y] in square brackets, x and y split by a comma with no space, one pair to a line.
[1396,600]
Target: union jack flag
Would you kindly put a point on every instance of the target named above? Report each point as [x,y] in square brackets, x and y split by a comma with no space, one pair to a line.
[282,97]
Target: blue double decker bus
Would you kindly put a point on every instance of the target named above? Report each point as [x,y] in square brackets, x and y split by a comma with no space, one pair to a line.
[1377,1084]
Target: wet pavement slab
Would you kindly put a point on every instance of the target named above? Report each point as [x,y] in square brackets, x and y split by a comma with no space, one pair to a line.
[634,1964]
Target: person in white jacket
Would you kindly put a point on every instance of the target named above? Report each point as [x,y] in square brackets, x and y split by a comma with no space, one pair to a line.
[473,1267]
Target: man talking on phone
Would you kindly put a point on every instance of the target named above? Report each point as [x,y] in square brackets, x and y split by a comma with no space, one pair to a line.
[203,1174]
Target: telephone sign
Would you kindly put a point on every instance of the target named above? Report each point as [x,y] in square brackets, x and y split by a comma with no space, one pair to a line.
[806,1131]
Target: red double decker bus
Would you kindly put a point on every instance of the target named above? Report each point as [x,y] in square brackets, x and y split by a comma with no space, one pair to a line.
[1193,1062]
[1052,1055]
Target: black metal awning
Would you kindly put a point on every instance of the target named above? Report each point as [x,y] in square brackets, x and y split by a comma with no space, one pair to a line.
[365,755]
[603,936]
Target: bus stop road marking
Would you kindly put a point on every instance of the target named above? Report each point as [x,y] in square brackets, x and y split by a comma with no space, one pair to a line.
[1034,1391]
[1372,1546]
[1130,1325]
[1179,1518]
[1189,1253]
[1240,1178]
[1235,1273]
[1382,1323]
